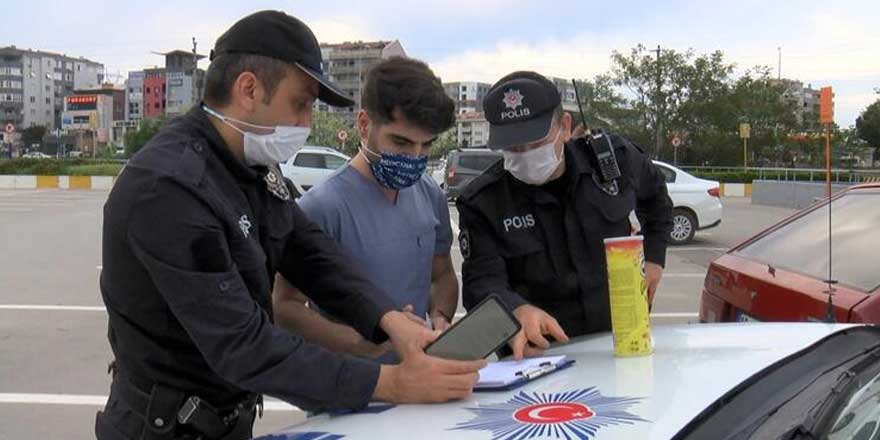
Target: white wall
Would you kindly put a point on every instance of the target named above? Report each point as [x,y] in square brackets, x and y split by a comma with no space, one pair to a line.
[85,75]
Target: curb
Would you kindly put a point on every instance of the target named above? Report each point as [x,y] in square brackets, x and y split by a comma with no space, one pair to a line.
[87,183]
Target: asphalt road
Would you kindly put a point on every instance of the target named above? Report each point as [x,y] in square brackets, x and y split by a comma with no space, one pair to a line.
[53,345]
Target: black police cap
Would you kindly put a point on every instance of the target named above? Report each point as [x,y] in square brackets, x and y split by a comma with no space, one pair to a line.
[520,109]
[277,35]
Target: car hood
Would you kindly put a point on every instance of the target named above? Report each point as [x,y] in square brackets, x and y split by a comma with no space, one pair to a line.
[600,396]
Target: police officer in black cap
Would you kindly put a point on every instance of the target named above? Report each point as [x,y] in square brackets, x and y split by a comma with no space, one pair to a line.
[532,225]
[196,228]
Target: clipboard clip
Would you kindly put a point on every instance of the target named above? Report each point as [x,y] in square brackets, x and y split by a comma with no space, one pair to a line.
[537,371]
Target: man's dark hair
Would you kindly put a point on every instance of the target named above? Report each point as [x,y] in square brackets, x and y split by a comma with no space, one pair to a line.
[410,86]
[226,68]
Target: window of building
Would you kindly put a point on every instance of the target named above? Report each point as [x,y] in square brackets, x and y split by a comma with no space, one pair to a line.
[48,101]
[33,99]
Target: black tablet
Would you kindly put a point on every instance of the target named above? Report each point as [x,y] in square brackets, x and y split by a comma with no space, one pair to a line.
[483,330]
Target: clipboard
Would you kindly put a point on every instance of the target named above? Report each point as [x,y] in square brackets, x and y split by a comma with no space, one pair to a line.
[507,375]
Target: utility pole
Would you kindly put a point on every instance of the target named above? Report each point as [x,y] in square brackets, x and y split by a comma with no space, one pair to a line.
[779,63]
[658,126]
[195,83]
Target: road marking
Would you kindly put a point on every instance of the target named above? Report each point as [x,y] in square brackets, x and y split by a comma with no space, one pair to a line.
[97,400]
[39,201]
[52,308]
[675,315]
[687,249]
[15,210]
[665,275]
[685,275]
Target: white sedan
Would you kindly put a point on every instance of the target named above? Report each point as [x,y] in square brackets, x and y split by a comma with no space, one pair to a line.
[709,381]
[311,165]
[696,202]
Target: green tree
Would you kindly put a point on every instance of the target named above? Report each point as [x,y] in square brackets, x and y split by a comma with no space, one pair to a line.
[603,106]
[33,135]
[325,131]
[445,143]
[868,125]
[760,101]
[135,140]
[658,88]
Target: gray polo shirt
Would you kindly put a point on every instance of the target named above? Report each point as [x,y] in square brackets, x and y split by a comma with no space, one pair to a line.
[394,242]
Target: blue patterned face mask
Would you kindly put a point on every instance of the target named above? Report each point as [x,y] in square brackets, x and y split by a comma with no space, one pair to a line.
[396,171]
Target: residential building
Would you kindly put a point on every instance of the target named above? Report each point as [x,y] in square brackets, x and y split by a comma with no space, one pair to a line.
[468,96]
[34,84]
[471,129]
[134,96]
[347,64]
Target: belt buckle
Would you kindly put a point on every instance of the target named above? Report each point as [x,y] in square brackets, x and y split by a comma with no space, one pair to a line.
[188,409]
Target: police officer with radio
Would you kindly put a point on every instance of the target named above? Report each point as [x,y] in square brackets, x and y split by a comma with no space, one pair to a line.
[533,224]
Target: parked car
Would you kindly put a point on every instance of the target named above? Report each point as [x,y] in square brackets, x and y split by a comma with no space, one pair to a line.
[696,203]
[439,173]
[37,155]
[311,165]
[463,165]
[782,273]
[722,381]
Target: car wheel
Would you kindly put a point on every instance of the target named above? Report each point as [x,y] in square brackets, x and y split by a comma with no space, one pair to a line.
[684,226]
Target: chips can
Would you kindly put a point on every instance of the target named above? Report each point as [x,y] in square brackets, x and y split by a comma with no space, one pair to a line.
[628,292]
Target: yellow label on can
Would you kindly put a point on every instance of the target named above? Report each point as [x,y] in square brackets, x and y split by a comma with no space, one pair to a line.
[628,294]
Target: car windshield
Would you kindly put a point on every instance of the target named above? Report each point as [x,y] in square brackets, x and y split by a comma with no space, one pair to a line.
[479,162]
[831,388]
[802,245]
[860,418]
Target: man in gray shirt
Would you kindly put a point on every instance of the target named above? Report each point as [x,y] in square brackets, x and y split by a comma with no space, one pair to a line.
[384,210]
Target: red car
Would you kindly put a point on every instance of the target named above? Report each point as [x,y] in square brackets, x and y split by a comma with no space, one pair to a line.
[781,274]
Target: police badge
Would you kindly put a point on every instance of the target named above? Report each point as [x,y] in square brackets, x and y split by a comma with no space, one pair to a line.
[464,243]
[276,185]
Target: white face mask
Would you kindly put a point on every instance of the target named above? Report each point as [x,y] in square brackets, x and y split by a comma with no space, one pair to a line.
[534,166]
[268,149]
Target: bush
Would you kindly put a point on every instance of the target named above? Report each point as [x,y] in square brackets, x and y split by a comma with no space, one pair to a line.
[104,169]
[792,175]
[55,167]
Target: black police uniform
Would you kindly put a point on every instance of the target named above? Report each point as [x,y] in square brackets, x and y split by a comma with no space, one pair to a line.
[543,244]
[192,241]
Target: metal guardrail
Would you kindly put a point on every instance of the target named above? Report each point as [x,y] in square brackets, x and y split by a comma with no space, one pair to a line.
[815,174]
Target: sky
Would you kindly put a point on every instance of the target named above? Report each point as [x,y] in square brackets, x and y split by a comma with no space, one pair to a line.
[822,43]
